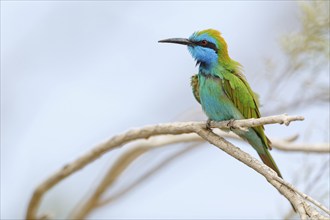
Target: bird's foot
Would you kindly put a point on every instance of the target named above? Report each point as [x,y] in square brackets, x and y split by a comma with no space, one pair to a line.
[208,124]
[230,124]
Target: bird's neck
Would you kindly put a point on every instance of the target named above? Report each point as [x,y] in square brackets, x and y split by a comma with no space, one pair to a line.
[210,69]
[217,68]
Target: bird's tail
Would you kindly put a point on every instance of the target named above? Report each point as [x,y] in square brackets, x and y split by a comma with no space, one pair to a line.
[269,161]
[261,147]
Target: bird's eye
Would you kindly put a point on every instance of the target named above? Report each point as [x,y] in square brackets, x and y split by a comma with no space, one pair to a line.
[203,42]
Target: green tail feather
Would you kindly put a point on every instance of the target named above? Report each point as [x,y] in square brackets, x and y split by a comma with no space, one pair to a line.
[268,160]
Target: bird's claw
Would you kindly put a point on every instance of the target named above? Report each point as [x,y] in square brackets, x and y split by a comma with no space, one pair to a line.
[230,124]
[208,124]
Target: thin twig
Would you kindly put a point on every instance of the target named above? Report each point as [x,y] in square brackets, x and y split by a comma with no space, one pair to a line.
[301,147]
[303,195]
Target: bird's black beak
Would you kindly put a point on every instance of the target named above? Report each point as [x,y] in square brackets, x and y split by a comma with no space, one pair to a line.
[183,41]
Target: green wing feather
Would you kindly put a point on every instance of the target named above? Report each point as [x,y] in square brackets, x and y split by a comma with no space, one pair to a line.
[245,100]
[195,87]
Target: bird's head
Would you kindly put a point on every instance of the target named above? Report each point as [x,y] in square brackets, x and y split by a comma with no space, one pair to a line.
[207,47]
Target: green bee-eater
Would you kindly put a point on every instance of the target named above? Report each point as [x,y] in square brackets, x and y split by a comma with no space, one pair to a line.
[222,90]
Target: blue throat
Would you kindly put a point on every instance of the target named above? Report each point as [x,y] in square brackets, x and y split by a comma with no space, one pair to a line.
[207,69]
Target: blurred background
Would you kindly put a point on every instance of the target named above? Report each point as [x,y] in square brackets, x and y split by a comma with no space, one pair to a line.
[73,74]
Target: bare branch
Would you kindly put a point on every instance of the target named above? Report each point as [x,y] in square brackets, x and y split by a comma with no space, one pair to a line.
[178,128]
[252,122]
[122,163]
[94,201]
[282,186]
[141,146]
[302,147]
[303,195]
[288,145]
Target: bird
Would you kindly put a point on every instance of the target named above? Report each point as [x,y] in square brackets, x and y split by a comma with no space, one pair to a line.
[222,89]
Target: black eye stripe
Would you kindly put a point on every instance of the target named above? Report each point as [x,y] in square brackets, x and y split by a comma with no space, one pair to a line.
[208,45]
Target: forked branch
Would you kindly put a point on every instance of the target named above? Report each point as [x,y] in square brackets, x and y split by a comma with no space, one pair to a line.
[300,202]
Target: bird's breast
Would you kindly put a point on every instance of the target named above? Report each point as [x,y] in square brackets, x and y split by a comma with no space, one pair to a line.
[214,100]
